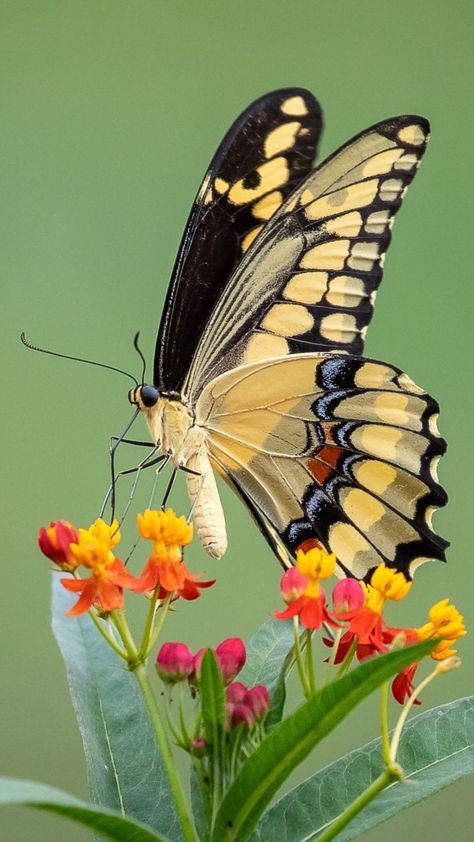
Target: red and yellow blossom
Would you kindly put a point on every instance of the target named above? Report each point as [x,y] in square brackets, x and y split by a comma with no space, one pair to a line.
[310,602]
[109,577]
[366,627]
[56,541]
[446,625]
[168,532]
[165,567]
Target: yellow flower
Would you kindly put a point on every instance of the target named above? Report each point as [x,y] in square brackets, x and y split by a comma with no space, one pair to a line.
[94,546]
[105,533]
[386,583]
[168,531]
[445,622]
[315,564]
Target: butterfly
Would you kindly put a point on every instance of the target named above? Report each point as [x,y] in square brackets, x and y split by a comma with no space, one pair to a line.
[258,370]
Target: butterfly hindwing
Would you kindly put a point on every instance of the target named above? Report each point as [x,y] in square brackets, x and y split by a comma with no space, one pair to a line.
[309,283]
[336,448]
[267,152]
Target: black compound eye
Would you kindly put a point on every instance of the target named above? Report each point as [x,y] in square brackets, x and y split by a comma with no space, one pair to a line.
[149,395]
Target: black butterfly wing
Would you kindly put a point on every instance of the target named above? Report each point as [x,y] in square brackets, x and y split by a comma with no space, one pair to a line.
[266,153]
[309,282]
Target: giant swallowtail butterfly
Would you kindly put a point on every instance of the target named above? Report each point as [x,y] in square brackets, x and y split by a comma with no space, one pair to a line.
[258,373]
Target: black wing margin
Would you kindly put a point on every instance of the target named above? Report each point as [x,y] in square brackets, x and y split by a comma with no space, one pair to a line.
[265,154]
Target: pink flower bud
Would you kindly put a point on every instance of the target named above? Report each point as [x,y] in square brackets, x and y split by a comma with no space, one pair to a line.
[235,692]
[258,700]
[240,715]
[347,595]
[231,656]
[198,747]
[292,585]
[174,662]
[55,541]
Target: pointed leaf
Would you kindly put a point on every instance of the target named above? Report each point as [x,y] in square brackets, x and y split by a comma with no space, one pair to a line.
[109,824]
[291,741]
[269,653]
[436,748]
[124,766]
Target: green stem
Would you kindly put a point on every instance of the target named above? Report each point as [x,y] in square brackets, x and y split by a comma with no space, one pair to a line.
[150,618]
[335,646]
[121,625]
[155,633]
[108,637]
[348,659]
[309,662]
[168,762]
[406,710]
[387,777]
[384,724]
[299,659]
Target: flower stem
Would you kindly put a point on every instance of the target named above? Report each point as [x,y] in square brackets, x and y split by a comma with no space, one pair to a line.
[299,659]
[348,659]
[390,774]
[164,611]
[335,647]
[384,724]
[309,662]
[167,757]
[406,710]
[121,625]
[108,637]
[150,619]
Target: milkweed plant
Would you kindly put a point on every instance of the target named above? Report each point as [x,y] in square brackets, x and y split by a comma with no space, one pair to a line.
[224,706]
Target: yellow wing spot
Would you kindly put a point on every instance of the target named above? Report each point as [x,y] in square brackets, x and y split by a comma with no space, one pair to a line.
[390,189]
[250,237]
[375,476]
[280,139]
[288,319]
[378,221]
[347,225]
[434,467]
[409,386]
[352,549]
[264,345]
[345,291]
[374,376]
[379,441]
[292,203]
[306,287]
[381,163]
[348,198]
[330,255]
[266,207]
[407,162]
[362,508]
[208,196]
[272,174]
[294,106]
[339,327]
[306,197]
[391,408]
[220,185]
[363,256]
[433,424]
[413,134]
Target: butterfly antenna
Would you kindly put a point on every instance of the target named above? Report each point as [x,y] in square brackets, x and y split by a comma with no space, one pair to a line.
[76,359]
[140,354]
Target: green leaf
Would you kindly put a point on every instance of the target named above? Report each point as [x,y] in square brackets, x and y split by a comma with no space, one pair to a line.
[436,748]
[124,766]
[109,824]
[212,694]
[269,653]
[291,741]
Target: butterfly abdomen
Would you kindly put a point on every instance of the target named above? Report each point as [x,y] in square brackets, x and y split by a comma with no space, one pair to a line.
[208,513]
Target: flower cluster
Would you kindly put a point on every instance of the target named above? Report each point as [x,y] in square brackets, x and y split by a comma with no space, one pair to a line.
[244,706]
[358,613]
[93,549]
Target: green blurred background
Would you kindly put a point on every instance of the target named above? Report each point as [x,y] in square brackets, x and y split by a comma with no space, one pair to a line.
[111,111]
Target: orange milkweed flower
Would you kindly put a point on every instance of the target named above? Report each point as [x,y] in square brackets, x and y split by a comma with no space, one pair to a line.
[109,577]
[310,605]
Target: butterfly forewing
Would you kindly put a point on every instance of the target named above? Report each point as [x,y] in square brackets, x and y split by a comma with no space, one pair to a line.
[335,448]
[309,283]
[267,152]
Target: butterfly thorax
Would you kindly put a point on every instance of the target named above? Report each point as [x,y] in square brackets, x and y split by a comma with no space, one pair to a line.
[172,429]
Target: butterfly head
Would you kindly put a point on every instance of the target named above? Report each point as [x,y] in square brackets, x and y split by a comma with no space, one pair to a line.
[144,397]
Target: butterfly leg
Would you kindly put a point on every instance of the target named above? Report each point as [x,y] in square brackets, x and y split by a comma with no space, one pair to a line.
[145,463]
